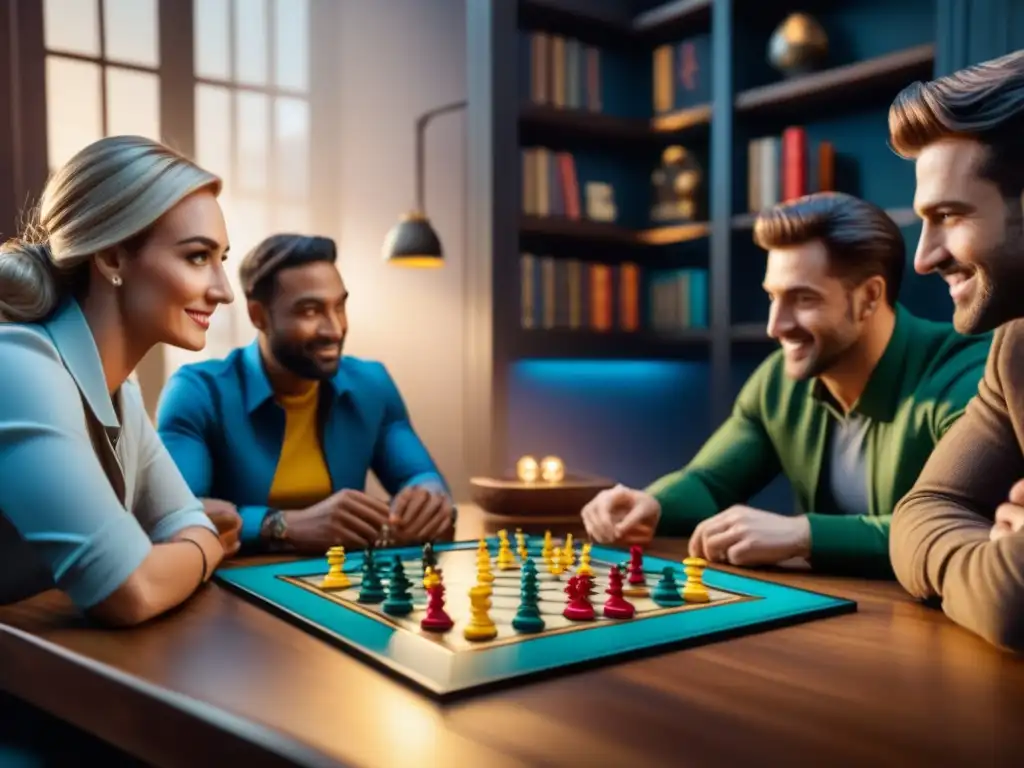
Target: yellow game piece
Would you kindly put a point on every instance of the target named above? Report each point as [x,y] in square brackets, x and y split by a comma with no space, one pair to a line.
[506,560]
[694,591]
[483,568]
[547,548]
[335,577]
[585,569]
[568,557]
[556,564]
[482,549]
[480,626]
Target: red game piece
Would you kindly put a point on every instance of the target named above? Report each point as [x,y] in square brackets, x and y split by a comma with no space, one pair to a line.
[617,607]
[579,607]
[436,620]
[636,565]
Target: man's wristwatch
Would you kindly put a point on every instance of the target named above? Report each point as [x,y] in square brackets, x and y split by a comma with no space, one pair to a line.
[275,527]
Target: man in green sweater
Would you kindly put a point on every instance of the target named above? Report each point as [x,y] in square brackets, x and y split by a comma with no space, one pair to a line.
[849,408]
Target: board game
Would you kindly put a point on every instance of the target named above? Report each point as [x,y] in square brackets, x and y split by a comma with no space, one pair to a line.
[510,612]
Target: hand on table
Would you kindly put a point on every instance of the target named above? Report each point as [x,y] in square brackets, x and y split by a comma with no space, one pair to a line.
[622,515]
[1010,514]
[225,516]
[349,518]
[421,514]
[747,536]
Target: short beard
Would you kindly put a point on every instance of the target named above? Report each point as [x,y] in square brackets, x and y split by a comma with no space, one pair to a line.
[299,362]
[1000,283]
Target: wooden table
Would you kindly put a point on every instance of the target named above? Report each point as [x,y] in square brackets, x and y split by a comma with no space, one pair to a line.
[221,682]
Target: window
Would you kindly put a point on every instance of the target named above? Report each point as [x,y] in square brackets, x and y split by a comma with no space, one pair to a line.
[252,119]
[102,78]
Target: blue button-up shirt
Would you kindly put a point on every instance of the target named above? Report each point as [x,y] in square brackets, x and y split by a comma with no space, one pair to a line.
[221,423]
[86,492]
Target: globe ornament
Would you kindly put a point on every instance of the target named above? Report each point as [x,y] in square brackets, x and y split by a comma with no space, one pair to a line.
[527,469]
[552,470]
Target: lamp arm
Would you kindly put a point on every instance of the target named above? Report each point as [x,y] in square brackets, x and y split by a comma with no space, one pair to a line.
[421,130]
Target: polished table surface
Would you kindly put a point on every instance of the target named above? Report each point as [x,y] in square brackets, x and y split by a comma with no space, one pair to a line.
[223,682]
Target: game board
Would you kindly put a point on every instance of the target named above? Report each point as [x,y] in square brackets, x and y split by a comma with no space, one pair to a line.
[444,664]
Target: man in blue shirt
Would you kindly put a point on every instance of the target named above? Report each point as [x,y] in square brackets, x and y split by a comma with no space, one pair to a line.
[286,429]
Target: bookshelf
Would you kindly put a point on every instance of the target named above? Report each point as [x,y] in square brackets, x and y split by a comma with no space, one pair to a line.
[614,132]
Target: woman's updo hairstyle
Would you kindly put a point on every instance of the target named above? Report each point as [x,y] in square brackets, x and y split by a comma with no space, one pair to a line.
[110,193]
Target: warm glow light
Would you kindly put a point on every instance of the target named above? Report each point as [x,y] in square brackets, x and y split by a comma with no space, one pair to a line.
[552,470]
[527,469]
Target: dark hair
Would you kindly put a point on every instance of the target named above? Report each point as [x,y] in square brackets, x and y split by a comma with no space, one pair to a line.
[984,102]
[261,265]
[860,238]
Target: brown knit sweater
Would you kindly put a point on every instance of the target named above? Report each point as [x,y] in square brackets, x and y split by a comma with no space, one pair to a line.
[939,540]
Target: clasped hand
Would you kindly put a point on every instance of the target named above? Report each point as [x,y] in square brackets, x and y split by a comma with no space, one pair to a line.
[746,536]
[1010,514]
[357,520]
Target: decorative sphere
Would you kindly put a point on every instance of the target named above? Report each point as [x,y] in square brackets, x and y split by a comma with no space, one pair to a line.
[527,469]
[552,470]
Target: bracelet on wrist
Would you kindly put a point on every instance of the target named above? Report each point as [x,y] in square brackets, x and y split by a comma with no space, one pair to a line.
[202,553]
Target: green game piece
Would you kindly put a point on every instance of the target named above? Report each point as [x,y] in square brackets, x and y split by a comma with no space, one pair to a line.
[666,591]
[399,602]
[527,618]
[371,590]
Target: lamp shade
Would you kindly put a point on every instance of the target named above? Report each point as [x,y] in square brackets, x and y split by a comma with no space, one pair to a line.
[412,242]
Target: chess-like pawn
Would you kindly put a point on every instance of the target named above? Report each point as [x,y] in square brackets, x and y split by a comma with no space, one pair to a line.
[636,577]
[666,591]
[335,577]
[555,566]
[481,626]
[483,568]
[547,548]
[399,600]
[616,606]
[568,552]
[579,607]
[371,590]
[436,619]
[506,560]
[584,568]
[694,590]
[528,618]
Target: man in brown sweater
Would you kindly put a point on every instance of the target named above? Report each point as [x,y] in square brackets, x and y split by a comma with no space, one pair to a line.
[958,536]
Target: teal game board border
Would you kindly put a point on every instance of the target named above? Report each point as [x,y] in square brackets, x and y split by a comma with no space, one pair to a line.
[444,674]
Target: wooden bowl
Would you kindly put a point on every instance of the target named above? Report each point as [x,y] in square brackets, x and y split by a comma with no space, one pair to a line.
[514,498]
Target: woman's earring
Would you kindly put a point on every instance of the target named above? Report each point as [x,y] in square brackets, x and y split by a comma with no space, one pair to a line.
[116,280]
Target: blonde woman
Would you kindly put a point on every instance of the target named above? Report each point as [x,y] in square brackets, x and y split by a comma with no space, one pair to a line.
[125,251]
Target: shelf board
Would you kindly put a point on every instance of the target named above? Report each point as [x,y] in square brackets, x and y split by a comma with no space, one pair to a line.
[579,122]
[670,18]
[538,118]
[577,229]
[582,229]
[576,17]
[883,74]
[550,343]
[682,119]
[674,233]
[904,217]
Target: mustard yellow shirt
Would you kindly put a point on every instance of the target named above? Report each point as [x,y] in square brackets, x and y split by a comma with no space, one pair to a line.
[301,478]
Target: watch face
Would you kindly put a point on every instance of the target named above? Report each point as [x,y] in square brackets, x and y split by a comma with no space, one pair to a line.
[277,526]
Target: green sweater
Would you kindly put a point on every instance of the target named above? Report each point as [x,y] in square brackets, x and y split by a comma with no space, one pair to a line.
[921,385]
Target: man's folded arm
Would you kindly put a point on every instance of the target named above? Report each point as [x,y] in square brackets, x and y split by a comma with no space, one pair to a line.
[939,538]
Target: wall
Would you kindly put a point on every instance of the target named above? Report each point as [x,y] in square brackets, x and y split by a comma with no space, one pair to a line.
[397,59]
